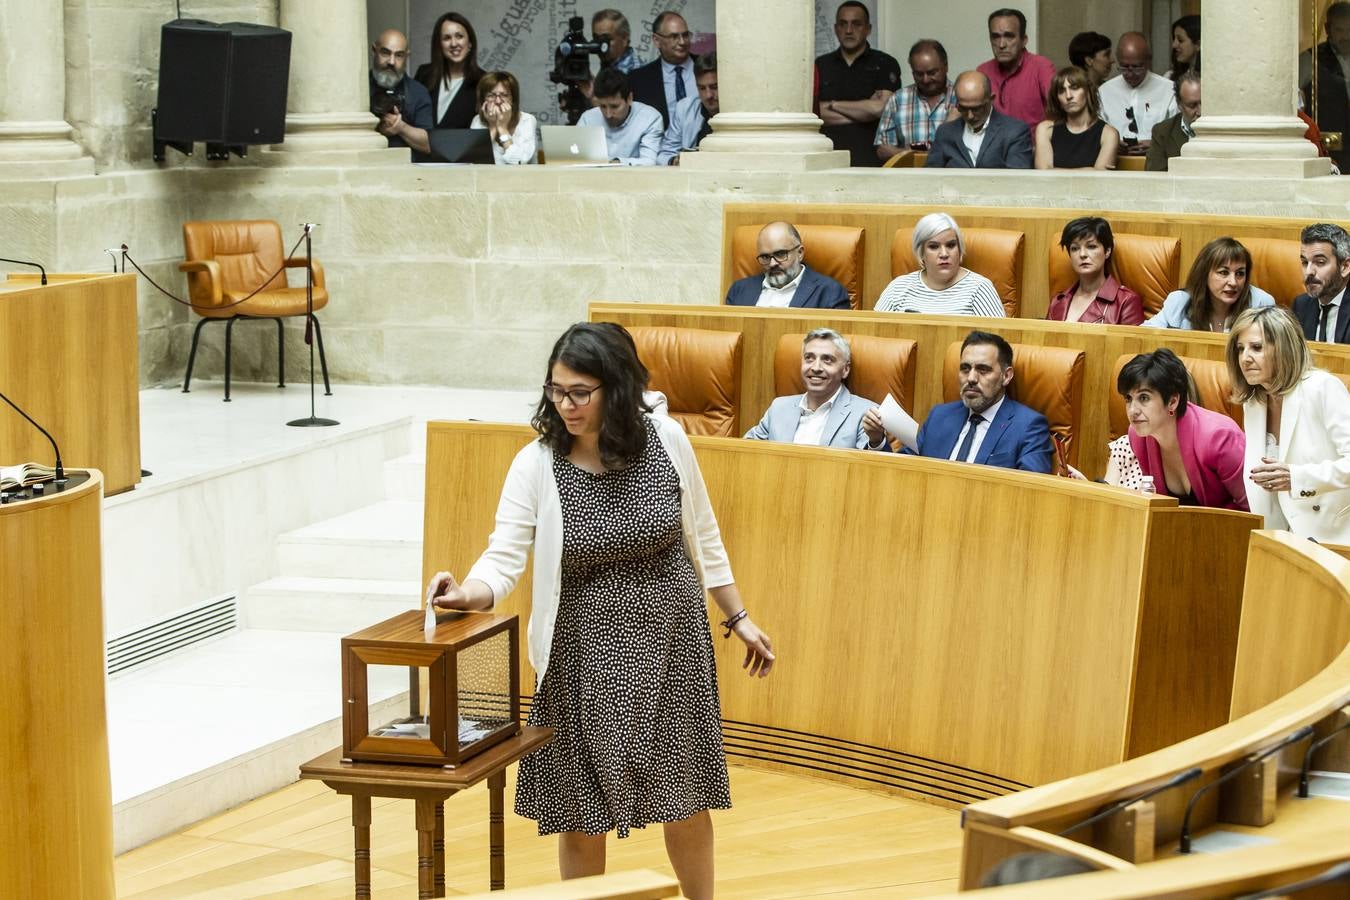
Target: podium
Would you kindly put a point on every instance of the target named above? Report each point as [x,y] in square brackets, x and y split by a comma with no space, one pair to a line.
[55,788]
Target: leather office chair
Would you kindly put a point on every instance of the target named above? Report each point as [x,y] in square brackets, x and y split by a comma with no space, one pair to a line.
[1209,378]
[833,250]
[995,253]
[880,366]
[1275,267]
[1148,264]
[699,371]
[1047,379]
[225,262]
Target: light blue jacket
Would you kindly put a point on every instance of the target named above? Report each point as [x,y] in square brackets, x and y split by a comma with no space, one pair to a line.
[1173,312]
[843,426]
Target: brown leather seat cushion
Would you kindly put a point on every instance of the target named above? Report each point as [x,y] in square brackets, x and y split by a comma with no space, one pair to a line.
[833,250]
[880,366]
[245,253]
[1148,264]
[995,253]
[1275,267]
[699,371]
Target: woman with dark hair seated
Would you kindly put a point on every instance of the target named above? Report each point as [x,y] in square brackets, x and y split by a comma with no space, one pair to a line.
[453,73]
[1191,453]
[1073,135]
[514,133]
[612,503]
[1216,290]
[1096,297]
[1298,427]
[1091,52]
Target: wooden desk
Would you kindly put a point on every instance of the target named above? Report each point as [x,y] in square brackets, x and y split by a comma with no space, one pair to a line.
[69,355]
[428,787]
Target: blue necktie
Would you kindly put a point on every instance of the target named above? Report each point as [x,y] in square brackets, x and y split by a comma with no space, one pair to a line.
[679,83]
[975,420]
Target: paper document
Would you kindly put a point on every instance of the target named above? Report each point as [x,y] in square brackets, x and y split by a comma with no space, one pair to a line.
[899,424]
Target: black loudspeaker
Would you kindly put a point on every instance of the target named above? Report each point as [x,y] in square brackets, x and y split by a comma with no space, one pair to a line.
[224,85]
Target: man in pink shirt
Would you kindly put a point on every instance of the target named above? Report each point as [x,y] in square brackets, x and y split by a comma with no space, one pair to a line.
[1021,80]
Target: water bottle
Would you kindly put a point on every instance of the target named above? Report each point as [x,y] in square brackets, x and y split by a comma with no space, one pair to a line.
[1146,485]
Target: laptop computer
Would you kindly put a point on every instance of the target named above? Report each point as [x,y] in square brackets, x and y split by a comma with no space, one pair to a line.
[457,145]
[574,145]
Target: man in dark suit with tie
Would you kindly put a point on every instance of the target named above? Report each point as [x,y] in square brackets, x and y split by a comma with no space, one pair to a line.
[987,426]
[787,280]
[982,137]
[1325,255]
[669,78]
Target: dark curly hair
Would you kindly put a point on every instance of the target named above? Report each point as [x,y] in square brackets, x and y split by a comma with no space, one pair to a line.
[605,351]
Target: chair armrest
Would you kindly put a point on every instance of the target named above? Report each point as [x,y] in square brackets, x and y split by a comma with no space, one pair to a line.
[298,262]
[212,270]
[902,160]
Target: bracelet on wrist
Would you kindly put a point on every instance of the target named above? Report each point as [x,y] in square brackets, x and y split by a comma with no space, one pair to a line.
[730,623]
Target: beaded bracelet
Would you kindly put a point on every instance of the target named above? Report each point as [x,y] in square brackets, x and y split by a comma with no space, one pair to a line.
[730,624]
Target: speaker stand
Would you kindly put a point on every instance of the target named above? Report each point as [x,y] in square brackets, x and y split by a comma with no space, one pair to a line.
[313,421]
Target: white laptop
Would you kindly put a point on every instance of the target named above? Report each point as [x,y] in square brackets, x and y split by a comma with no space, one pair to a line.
[574,145]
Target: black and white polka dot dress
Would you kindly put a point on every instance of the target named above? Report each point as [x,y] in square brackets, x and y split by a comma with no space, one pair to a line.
[631,684]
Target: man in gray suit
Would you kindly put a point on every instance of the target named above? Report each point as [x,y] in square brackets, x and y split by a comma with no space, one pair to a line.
[982,137]
[827,415]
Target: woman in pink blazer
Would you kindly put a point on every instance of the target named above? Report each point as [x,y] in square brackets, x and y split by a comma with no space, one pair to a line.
[1192,453]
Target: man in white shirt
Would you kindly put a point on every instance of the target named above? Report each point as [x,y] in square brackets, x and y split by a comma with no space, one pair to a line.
[669,78]
[787,280]
[828,414]
[633,130]
[1136,99]
[1325,254]
[690,122]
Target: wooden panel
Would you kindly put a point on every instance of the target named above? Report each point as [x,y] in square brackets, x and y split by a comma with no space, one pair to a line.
[1102,344]
[943,586]
[69,356]
[56,789]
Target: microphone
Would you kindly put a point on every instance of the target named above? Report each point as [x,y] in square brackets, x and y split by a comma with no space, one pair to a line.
[1303,733]
[1175,781]
[1307,757]
[309,282]
[24,262]
[60,469]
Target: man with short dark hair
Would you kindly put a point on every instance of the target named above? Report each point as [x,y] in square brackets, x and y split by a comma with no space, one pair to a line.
[912,116]
[980,137]
[689,124]
[1138,98]
[632,130]
[1170,135]
[1019,79]
[987,426]
[1325,255]
[787,279]
[669,78]
[612,25]
[853,85]
[403,105]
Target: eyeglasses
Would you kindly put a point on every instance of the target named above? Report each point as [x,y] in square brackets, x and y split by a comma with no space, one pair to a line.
[676,36]
[499,95]
[778,256]
[1139,67]
[578,396]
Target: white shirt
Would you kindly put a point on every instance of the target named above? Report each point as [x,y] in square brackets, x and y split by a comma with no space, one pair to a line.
[981,431]
[524,149]
[971,295]
[1153,101]
[449,88]
[637,141]
[668,80]
[1335,305]
[811,426]
[974,140]
[779,298]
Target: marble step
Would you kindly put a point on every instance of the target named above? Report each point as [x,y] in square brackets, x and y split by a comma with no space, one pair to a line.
[405,478]
[301,603]
[382,542]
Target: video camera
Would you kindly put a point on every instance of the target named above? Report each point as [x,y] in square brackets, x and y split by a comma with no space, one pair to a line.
[384,100]
[572,67]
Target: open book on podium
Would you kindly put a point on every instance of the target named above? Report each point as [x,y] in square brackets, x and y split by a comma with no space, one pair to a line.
[23,475]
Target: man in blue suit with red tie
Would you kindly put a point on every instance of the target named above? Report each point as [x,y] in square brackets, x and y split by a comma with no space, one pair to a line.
[987,426]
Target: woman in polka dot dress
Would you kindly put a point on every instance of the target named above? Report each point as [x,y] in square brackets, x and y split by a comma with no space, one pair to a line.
[625,543]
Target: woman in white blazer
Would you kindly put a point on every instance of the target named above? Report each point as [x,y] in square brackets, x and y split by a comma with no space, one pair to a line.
[1297,420]
[612,503]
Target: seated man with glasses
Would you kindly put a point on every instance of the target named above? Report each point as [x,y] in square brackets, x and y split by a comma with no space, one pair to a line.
[787,280]
[980,137]
[669,78]
[402,105]
[1137,99]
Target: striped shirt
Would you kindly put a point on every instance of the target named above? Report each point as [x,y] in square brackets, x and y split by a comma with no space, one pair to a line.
[971,295]
[907,118]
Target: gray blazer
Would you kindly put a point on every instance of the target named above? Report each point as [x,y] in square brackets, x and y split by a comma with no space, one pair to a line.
[1007,145]
[843,428]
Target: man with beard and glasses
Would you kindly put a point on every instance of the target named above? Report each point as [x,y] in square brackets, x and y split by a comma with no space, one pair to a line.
[986,426]
[633,130]
[827,415]
[1325,255]
[787,280]
[403,105]
[689,124]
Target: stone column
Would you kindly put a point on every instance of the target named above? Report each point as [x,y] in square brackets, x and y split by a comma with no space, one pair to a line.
[1248,124]
[765,65]
[328,104]
[35,140]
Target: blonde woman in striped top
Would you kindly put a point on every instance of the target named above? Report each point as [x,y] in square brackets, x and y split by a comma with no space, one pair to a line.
[942,285]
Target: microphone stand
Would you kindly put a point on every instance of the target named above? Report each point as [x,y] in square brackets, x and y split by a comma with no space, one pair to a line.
[24,262]
[313,420]
[56,451]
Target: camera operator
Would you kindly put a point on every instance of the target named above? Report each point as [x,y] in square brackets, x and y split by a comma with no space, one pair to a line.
[402,105]
[572,69]
[612,26]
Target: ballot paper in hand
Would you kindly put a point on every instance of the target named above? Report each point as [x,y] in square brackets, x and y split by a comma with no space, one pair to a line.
[899,424]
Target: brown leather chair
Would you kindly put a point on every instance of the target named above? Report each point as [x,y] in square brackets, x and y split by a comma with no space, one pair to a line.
[1213,390]
[832,250]
[236,270]
[1148,264]
[1275,267]
[699,371]
[995,253]
[1047,379]
[880,366]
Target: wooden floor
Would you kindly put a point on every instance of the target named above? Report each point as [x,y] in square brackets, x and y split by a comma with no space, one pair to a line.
[786,837]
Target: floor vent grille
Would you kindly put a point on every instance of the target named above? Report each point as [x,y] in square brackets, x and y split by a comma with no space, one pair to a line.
[148,643]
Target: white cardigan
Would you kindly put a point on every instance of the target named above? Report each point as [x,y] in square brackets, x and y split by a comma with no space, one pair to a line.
[529,514]
[1315,441]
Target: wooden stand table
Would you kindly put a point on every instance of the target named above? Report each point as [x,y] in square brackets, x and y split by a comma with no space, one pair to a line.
[428,787]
